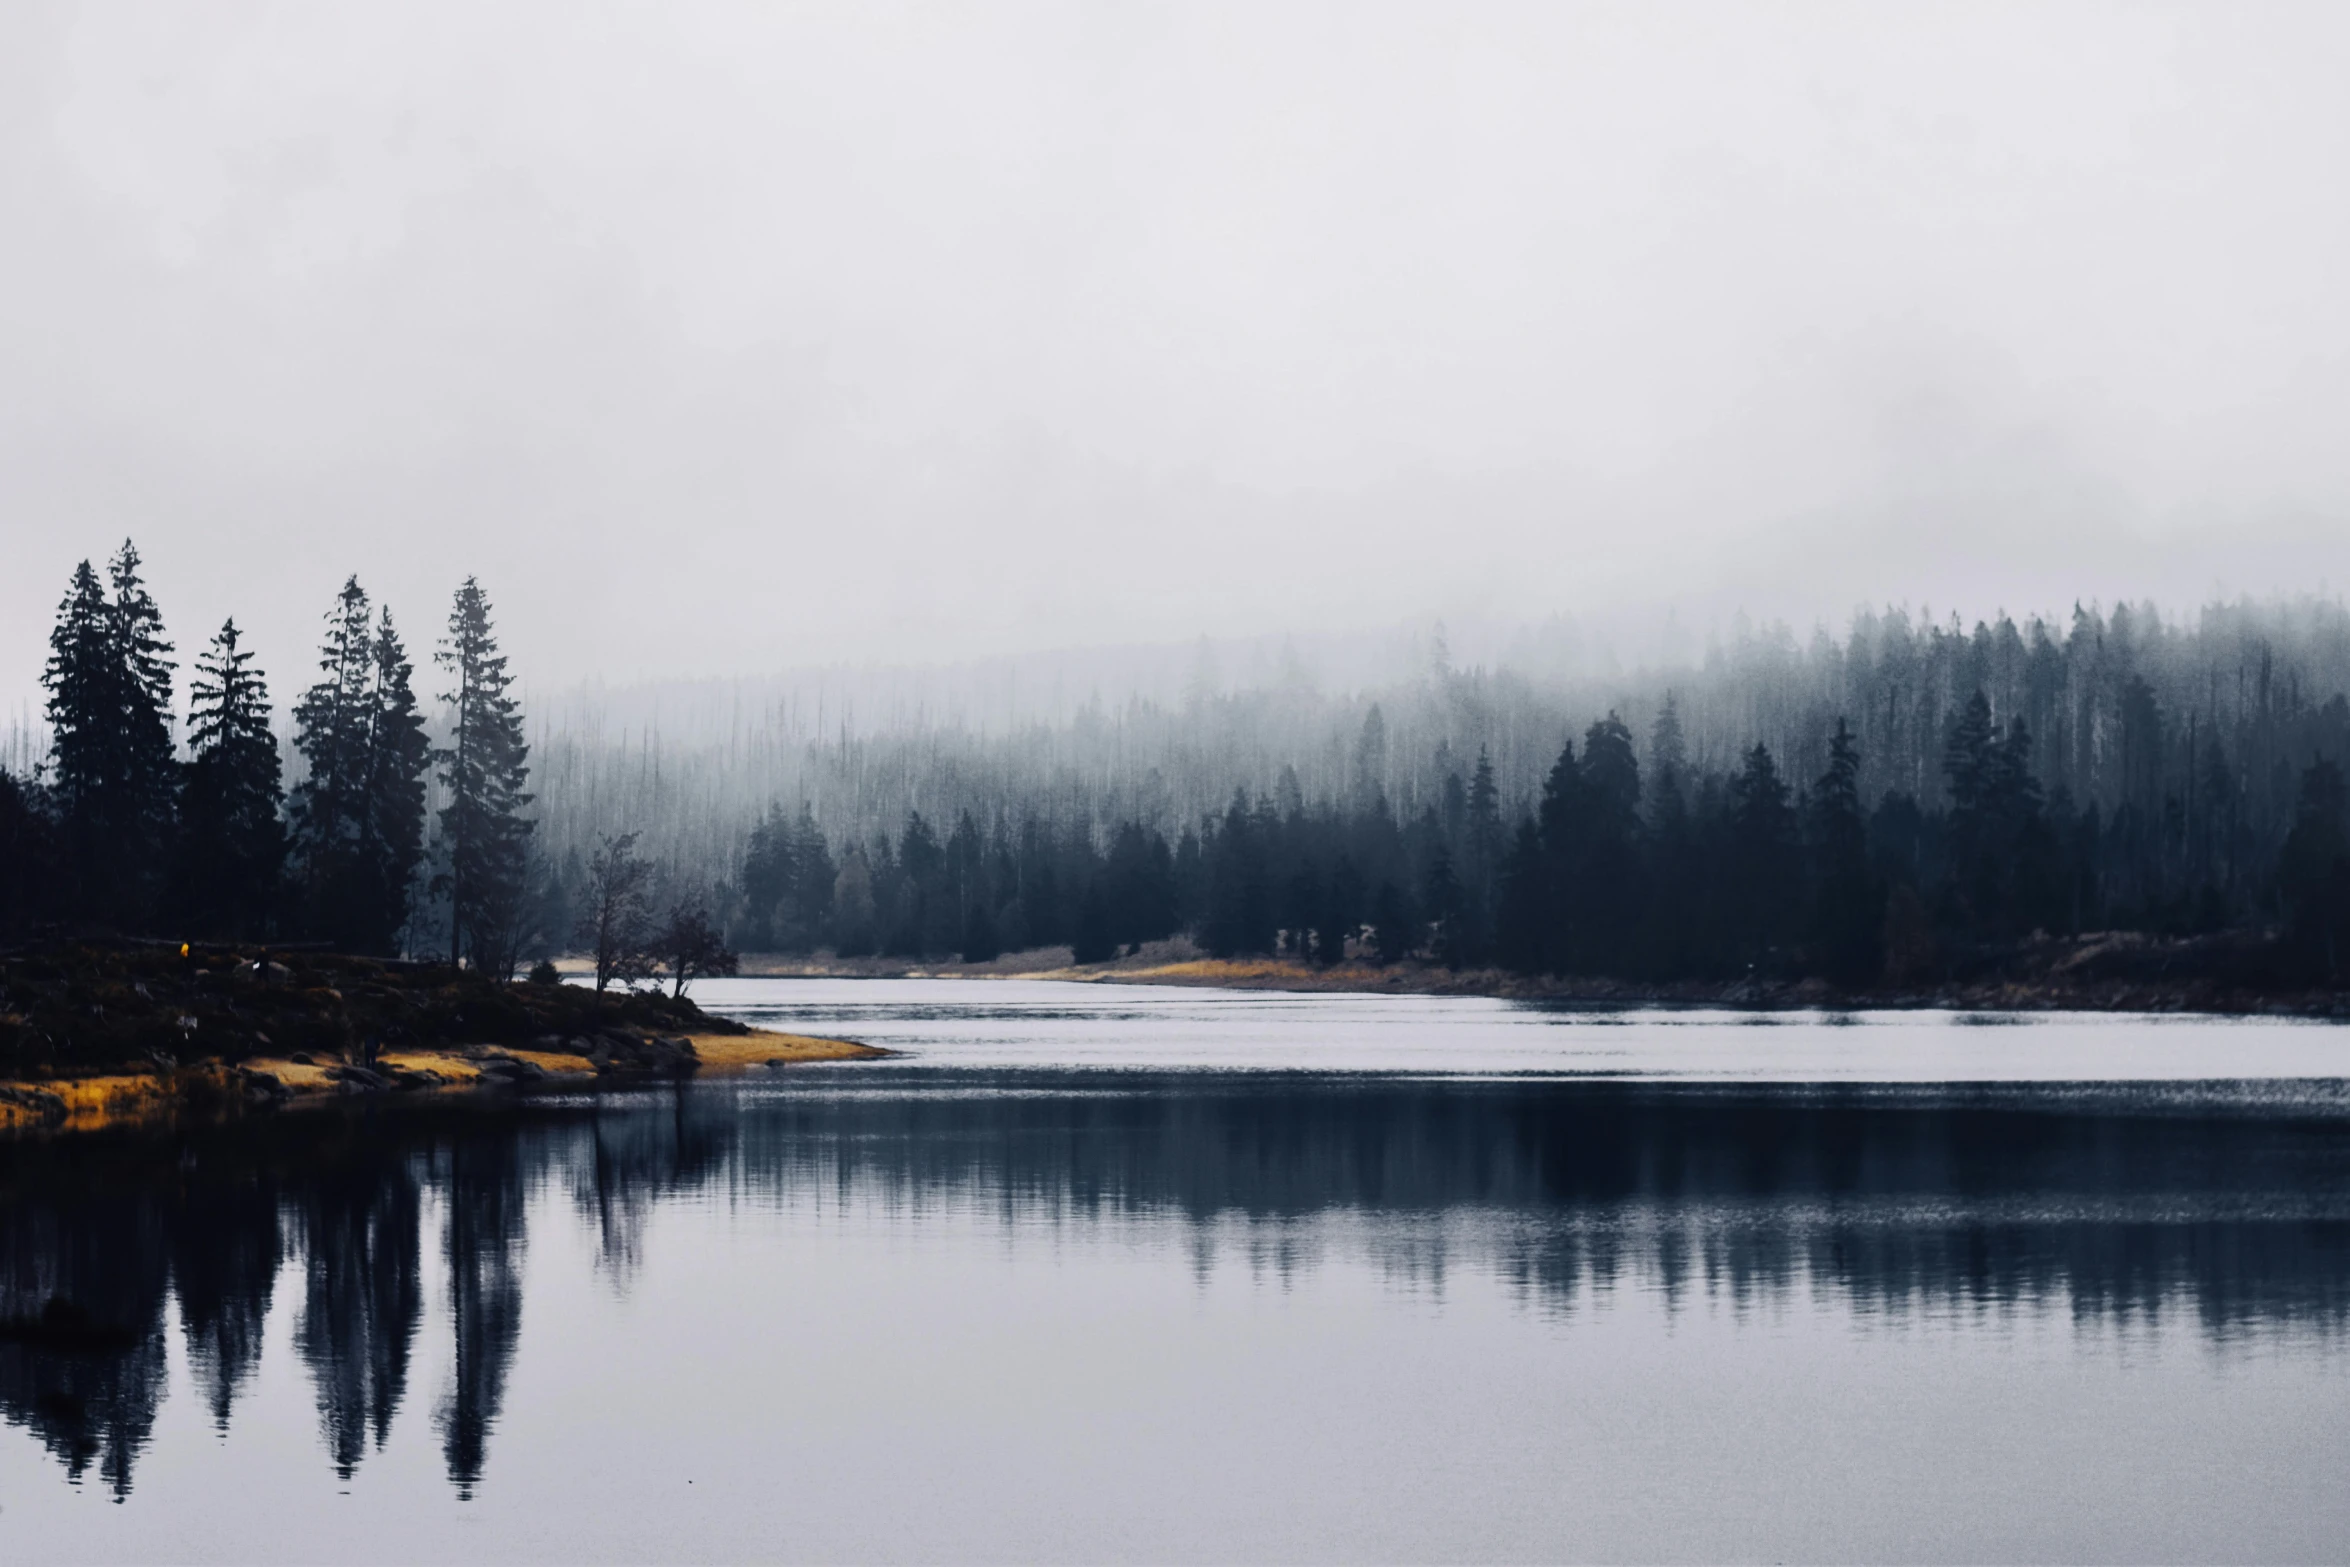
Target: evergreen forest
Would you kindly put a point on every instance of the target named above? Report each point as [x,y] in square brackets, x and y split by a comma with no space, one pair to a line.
[1914,801]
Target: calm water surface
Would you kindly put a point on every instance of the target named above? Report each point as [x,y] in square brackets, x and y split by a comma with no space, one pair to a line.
[1105,1272]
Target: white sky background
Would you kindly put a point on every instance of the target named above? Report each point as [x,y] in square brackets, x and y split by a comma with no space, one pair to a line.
[727,339]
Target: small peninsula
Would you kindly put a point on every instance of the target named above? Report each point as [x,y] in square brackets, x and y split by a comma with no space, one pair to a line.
[97,1032]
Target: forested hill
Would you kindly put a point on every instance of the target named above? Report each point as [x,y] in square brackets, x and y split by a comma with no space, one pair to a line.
[2114,770]
[2117,702]
[1911,798]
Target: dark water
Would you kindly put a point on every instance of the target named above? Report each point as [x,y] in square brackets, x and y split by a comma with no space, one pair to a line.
[987,1304]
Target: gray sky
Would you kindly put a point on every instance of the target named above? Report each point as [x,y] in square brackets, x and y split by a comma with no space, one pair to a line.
[726,339]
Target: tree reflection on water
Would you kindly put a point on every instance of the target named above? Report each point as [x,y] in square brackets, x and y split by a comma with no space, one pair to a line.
[2112,1204]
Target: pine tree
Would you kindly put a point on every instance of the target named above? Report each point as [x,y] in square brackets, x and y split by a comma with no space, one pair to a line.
[1139,874]
[1302,902]
[232,842]
[1395,929]
[854,917]
[813,877]
[1240,913]
[1668,751]
[1370,771]
[2024,879]
[766,880]
[392,836]
[1486,841]
[980,943]
[2003,875]
[1486,833]
[1671,944]
[81,682]
[1608,889]
[109,710]
[1342,912]
[1521,923]
[922,903]
[1970,764]
[1764,866]
[1848,905]
[1440,900]
[359,813]
[334,723]
[1090,942]
[150,776]
[1560,818]
[483,770]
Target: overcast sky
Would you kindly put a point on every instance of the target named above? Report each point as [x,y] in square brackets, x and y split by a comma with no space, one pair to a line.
[724,339]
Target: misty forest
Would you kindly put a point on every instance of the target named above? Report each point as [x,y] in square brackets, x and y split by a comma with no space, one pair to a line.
[1917,801]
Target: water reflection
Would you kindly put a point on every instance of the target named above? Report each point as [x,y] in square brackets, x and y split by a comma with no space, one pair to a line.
[2223,1209]
[482,1178]
[358,1216]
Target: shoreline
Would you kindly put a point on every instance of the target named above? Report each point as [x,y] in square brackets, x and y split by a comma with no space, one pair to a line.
[2090,975]
[665,1040]
[98,1031]
[100,1100]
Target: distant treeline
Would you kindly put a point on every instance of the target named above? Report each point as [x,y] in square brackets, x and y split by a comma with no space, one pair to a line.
[1885,810]
[1619,869]
[1878,809]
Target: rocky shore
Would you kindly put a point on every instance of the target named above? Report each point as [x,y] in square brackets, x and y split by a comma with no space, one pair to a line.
[92,1033]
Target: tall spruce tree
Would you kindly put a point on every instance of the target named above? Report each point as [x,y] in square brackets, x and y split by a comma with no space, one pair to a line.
[81,682]
[232,844]
[1970,769]
[333,723]
[483,770]
[1848,904]
[766,881]
[1608,888]
[109,708]
[1240,913]
[1668,748]
[1671,942]
[359,814]
[398,756]
[1563,820]
[1441,904]
[1765,868]
[1521,920]
[2003,877]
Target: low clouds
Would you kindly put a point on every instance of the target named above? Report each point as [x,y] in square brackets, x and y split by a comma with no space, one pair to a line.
[730,338]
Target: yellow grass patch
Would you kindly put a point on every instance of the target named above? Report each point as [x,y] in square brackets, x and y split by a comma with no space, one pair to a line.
[555,1063]
[295,1075]
[723,1053]
[92,1102]
[445,1064]
[1251,974]
[96,1101]
[1224,970]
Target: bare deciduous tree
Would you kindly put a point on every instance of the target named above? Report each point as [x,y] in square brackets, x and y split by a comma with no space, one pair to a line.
[613,920]
[692,948]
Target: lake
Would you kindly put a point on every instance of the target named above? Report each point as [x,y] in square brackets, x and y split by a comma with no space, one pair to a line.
[1117,1272]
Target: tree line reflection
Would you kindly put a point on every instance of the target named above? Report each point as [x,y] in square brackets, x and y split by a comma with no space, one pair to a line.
[2229,1210]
